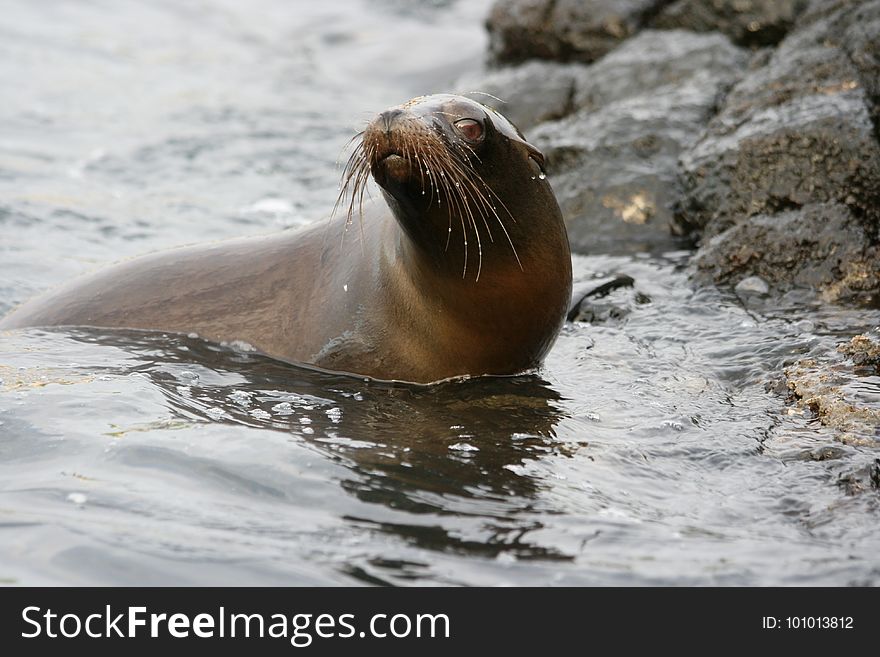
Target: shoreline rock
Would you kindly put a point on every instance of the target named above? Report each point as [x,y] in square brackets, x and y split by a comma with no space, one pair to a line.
[821,249]
[784,183]
[750,23]
[823,388]
[563,30]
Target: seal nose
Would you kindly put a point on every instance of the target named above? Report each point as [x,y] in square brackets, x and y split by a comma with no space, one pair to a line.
[387,118]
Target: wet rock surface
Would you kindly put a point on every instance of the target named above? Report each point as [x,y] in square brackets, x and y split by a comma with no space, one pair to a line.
[785,181]
[825,387]
[613,161]
[795,131]
[610,301]
[852,26]
[864,351]
[841,390]
[747,22]
[822,249]
[564,30]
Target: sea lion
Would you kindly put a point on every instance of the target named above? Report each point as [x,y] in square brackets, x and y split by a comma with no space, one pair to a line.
[462,268]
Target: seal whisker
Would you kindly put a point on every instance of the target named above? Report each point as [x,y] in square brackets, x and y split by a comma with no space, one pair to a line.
[412,154]
[463,208]
[457,177]
[459,180]
[433,164]
[487,205]
[347,145]
[473,222]
[363,180]
[483,93]
[356,163]
[463,179]
[355,178]
[438,165]
[463,145]
[503,227]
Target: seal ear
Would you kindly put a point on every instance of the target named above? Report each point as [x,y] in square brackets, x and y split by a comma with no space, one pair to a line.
[536,156]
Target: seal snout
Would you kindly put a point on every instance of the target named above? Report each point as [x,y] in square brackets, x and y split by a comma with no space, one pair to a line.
[391,140]
[386,118]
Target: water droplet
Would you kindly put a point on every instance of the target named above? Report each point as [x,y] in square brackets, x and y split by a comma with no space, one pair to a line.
[345,288]
[542,175]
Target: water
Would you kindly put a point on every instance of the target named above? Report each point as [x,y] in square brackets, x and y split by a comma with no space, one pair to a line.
[655,447]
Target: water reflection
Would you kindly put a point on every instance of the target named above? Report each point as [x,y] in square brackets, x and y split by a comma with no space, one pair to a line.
[452,450]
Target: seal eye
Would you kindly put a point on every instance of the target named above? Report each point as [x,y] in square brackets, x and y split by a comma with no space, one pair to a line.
[470,129]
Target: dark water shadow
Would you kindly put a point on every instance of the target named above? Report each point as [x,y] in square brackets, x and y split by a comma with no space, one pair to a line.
[453,449]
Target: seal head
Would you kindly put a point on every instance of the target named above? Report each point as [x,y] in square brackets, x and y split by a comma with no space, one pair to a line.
[458,176]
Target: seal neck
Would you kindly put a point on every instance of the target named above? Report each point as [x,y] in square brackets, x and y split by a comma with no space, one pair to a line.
[529,258]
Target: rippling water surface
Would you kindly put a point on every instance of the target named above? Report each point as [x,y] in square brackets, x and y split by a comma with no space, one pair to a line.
[655,447]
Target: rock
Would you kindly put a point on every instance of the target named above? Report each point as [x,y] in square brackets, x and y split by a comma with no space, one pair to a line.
[538,91]
[613,163]
[864,351]
[822,248]
[828,387]
[747,22]
[563,30]
[656,59]
[796,131]
[582,300]
[527,94]
[609,302]
[852,26]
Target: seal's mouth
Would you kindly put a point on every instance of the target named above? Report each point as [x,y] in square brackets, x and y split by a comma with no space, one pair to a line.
[391,158]
[391,166]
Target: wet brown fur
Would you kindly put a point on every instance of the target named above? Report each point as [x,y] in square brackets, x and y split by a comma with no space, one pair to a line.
[463,269]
